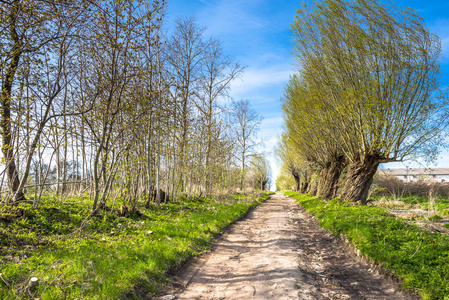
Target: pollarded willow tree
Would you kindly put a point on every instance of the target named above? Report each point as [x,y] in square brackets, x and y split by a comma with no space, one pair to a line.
[292,162]
[309,130]
[284,180]
[378,67]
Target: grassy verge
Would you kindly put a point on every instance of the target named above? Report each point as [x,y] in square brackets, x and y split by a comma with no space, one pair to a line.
[420,258]
[112,256]
[435,205]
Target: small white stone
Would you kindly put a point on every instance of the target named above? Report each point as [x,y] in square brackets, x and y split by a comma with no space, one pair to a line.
[103,239]
[168,297]
[149,232]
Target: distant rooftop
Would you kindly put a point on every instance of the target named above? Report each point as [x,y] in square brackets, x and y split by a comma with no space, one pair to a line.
[414,171]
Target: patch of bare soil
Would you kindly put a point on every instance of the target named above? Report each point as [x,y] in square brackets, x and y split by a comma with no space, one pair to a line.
[279,252]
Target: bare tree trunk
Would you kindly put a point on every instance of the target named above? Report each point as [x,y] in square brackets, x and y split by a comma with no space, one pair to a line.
[92,171]
[329,176]
[167,188]
[1,184]
[58,162]
[65,145]
[19,193]
[5,124]
[359,178]
[297,181]
[304,186]
[313,185]
[36,180]
[158,190]
[135,192]
[312,188]
[190,185]
[75,159]
[173,183]
[96,181]
[149,170]
[84,161]
[242,178]
[42,181]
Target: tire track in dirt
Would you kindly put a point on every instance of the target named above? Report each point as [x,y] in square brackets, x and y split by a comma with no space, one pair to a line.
[279,252]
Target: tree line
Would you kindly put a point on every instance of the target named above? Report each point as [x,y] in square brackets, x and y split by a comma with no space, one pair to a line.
[98,98]
[367,91]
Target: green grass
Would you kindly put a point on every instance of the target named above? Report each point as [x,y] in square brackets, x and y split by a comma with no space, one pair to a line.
[440,203]
[419,257]
[112,256]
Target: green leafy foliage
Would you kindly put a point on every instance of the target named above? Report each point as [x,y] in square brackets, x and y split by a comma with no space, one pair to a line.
[106,256]
[419,257]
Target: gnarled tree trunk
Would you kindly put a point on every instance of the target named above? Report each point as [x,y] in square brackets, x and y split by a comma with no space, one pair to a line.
[313,185]
[329,176]
[359,178]
[297,180]
[304,185]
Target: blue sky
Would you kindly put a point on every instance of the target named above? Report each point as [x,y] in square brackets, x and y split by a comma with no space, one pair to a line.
[257,34]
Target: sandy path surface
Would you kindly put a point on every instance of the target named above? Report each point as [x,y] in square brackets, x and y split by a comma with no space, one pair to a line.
[279,252]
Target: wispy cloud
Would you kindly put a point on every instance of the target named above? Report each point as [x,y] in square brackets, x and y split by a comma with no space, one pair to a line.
[257,34]
[263,87]
[225,15]
[256,78]
[441,28]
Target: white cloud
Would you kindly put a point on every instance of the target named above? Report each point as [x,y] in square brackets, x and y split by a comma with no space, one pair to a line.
[256,34]
[225,16]
[441,28]
[262,79]
[263,87]
[255,78]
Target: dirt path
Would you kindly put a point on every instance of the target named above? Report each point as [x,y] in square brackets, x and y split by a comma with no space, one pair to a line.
[279,252]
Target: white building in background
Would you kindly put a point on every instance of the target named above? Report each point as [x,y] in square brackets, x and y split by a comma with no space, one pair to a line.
[415,174]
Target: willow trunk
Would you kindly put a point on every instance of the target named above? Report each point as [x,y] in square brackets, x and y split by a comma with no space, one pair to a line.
[297,181]
[359,179]
[329,177]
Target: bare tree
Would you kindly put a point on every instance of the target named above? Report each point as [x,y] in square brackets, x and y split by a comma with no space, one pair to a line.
[217,72]
[260,172]
[247,124]
[185,57]
[40,36]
